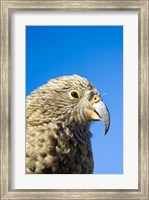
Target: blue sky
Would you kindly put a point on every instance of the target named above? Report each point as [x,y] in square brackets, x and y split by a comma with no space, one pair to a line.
[96,53]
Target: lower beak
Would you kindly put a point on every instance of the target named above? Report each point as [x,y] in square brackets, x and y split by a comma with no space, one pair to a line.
[102,113]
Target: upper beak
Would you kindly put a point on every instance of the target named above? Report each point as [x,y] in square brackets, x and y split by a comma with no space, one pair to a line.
[101,110]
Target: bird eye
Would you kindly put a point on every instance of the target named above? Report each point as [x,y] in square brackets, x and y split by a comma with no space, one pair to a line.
[74,94]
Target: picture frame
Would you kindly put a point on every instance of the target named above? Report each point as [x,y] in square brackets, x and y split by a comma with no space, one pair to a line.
[7,8]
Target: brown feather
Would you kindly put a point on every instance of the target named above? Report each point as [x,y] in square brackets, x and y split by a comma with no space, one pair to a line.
[57,128]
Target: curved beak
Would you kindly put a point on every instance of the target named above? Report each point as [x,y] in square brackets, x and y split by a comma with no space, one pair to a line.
[103,114]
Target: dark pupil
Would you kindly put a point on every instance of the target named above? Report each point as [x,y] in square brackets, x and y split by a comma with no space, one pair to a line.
[74,94]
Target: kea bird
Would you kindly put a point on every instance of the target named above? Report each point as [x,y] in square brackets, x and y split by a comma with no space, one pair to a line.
[58,116]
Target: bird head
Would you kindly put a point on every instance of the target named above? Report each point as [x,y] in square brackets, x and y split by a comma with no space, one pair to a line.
[71,100]
[68,100]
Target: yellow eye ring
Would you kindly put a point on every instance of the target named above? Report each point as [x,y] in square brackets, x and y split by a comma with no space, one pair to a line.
[74,94]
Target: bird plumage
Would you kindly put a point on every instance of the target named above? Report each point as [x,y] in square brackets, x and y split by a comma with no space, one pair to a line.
[57,127]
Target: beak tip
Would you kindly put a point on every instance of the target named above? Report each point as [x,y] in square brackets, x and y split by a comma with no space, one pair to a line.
[106,131]
[107,126]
